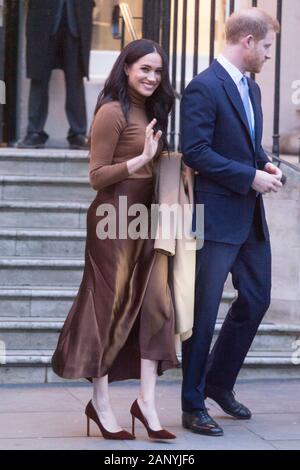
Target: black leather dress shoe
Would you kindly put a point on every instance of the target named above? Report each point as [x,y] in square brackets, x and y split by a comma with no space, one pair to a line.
[35,140]
[227,402]
[78,141]
[200,422]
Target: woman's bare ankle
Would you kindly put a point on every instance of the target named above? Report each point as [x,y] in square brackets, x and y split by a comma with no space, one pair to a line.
[101,405]
[106,415]
[148,409]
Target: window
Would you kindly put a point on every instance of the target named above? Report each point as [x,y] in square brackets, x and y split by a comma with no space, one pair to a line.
[102,31]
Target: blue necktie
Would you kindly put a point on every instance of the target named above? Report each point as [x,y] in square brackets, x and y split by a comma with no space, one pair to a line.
[246,102]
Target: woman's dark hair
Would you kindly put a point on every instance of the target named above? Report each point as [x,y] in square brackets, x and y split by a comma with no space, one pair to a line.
[159,104]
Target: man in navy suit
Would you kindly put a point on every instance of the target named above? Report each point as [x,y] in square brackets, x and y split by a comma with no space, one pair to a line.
[58,34]
[221,140]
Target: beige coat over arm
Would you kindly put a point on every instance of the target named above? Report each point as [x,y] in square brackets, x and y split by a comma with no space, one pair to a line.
[174,194]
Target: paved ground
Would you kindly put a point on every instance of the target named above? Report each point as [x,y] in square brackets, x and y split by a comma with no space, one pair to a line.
[52,417]
[294,159]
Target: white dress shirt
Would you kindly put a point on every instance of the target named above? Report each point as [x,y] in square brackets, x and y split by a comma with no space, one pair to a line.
[236,76]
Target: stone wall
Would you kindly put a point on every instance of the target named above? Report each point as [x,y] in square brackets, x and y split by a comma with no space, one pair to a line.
[290,112]
[283,214]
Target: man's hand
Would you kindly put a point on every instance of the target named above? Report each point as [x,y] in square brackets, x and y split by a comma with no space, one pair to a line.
[273,170]
[265,182]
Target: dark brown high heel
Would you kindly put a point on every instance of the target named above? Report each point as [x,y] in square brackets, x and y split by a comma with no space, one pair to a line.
[136,412]
[91,413]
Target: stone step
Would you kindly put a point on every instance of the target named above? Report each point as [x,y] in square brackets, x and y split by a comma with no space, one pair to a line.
[258,365]
[37,302]
[36,271]
[42,243]
[24,272]
[46,188]
[273,337]
[42,333]
[227,299]
[55,301]
[28,333]
[34,366]
[56,162]
[31,214]
[24,367]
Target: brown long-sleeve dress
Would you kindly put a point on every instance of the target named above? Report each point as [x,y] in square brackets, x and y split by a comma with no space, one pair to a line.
[123,310]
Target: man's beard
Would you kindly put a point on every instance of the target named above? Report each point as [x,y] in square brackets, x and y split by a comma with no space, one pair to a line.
[255,66]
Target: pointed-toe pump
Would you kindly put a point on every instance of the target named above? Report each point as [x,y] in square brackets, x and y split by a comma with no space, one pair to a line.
[136,412]
[91,413]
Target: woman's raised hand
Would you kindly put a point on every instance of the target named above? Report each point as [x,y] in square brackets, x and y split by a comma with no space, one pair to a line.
[151,140]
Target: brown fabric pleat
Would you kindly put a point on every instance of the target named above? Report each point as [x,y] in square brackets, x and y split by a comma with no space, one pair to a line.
[123,310]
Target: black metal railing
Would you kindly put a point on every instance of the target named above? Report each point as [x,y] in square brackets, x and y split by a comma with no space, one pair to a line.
[9,69]
[165,20]
[2,55]
[122,20]
[179,17]
[276,123]
[281,162]
[174,75]
[196,37]
[212,31]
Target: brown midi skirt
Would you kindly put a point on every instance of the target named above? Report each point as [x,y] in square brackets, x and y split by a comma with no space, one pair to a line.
[123,310]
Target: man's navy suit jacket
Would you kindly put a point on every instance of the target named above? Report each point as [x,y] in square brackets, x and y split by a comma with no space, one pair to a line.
[216,141]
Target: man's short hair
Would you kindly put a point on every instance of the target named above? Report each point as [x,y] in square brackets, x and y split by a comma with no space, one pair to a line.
[248,21]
